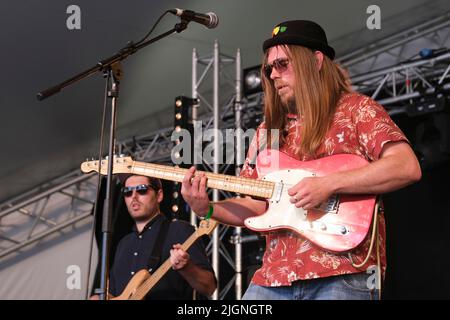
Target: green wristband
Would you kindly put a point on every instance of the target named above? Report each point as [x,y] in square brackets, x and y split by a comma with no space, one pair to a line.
[210,211]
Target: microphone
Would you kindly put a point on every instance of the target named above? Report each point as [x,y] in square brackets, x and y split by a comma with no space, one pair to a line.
[209,19]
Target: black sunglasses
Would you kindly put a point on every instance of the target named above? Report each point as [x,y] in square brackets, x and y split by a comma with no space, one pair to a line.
[280,65]
[141,189]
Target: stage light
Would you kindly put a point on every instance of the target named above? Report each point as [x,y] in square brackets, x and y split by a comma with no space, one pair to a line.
[426,105]
[182,121]
[252,80]
[426,53]
[183,111]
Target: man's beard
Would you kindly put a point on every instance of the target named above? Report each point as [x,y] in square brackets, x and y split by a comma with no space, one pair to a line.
[290,105]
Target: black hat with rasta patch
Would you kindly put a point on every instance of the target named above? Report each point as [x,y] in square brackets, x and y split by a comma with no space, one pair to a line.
[302,33]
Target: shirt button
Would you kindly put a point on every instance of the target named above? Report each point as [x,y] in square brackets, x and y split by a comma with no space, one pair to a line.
[135,253]
[140,237]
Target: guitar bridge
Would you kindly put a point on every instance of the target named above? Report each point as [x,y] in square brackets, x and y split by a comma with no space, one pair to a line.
[331,205]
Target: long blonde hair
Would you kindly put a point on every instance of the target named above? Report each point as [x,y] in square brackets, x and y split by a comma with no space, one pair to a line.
[316,95]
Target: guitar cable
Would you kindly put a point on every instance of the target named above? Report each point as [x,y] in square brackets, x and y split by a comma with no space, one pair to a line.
[372,241]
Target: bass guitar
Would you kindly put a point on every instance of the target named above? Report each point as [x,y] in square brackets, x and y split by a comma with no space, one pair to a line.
[142,282]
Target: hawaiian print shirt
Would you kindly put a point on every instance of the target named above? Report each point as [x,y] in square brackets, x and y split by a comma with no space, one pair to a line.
[360,126]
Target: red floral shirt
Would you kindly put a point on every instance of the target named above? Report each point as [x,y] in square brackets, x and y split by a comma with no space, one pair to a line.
[360,126]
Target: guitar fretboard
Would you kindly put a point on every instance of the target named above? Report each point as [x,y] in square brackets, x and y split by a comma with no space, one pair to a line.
[251,187]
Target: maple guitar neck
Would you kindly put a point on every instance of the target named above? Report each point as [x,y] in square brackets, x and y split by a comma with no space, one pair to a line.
[251,187]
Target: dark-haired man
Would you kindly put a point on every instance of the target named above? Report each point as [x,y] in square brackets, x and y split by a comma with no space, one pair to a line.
[153,240]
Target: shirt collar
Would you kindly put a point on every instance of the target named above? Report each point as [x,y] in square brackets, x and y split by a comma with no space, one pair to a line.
[157,217]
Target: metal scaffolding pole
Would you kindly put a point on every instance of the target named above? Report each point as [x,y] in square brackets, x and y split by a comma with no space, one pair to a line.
[397,40]
[213,118]
[31,219]
[239,161]
[194,115]
[406,81]
[400,47]
[217,153]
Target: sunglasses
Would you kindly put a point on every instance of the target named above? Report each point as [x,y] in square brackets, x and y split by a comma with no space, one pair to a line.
[280,65]
[141,189]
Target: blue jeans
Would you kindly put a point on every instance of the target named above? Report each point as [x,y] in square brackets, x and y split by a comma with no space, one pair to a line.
[344,287]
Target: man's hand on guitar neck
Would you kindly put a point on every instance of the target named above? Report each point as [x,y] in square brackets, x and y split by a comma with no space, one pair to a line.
[231,211]
[194,193]
[178,257]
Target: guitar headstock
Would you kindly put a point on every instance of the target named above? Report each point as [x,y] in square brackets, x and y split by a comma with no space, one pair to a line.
[206,227]
[120,165]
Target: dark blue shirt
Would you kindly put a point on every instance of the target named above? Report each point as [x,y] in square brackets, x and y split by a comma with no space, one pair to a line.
[134,251]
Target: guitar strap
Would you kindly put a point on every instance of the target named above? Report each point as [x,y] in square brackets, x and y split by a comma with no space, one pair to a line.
[155,258]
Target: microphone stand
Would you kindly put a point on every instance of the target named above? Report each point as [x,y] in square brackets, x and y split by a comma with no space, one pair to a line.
[112,71]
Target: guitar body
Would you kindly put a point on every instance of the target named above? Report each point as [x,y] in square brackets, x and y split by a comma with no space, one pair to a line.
[136,281]
[339,225]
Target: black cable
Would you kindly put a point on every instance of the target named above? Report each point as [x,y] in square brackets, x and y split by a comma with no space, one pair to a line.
[153,28]
[99,179]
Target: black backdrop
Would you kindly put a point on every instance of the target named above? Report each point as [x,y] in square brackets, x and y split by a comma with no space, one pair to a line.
[418,225]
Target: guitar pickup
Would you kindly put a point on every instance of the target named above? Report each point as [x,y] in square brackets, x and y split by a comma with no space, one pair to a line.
[277,191]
